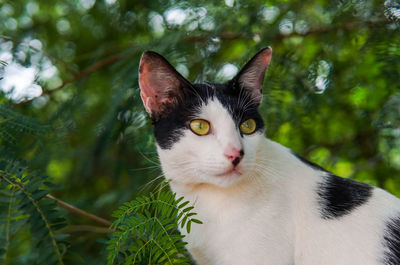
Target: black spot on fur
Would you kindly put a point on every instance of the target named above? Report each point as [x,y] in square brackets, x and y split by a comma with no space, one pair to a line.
[392,242]
[169,128]
[339,196]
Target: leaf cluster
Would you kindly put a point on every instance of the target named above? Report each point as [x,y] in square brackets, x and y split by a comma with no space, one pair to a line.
[13,124]
[147,230]
[23,204]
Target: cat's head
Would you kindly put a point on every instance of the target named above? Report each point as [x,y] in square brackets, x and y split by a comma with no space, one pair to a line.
[205,132]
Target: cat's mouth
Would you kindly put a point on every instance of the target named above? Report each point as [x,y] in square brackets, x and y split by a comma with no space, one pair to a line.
[231,171]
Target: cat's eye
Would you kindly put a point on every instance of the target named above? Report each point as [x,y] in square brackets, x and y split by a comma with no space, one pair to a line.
[200,127]
[248,126]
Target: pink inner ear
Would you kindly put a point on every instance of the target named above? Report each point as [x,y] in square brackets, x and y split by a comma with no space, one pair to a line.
[266,55]
[262,62]
[155,82]
[159,84]
[148,91]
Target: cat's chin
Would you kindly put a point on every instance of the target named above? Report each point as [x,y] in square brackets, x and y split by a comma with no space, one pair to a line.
[232,172]
[227,178]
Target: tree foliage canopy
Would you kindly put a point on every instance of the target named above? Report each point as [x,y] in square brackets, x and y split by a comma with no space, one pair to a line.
[70,105]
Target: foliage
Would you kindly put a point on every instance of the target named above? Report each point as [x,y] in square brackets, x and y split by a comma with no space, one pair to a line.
[12,124]
[21,204]
[70,104]
[146,230]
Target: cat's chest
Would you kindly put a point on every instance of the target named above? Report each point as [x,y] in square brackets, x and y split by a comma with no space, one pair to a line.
[237,228]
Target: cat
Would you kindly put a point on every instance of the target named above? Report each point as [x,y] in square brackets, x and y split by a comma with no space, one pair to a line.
[260,203]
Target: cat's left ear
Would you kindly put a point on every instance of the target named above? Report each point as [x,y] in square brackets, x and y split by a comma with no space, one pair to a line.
[251,76]
[161,87]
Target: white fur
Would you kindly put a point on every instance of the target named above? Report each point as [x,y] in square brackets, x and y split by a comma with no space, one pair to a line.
[269,214]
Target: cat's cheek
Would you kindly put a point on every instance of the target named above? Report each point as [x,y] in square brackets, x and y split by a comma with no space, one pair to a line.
[182,163]
[251,145]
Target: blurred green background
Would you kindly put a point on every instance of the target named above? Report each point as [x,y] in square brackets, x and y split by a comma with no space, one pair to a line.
[332,92]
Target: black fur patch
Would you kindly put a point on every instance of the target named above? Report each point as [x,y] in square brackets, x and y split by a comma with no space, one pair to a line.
[392,242]
[339,196]
[169,128]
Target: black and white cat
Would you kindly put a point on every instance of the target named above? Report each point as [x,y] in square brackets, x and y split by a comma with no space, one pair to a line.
[260,203]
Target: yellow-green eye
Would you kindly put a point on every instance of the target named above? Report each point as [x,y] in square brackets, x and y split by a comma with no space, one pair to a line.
[200,127]
[248,127]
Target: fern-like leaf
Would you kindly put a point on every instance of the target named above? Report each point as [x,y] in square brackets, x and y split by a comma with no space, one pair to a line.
[146,231]
[13,124]
[22,203]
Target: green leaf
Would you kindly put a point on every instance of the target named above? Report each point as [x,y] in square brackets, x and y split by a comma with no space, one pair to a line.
[157,237]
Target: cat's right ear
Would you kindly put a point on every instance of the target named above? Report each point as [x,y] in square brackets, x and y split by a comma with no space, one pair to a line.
[161,86]
[251,76]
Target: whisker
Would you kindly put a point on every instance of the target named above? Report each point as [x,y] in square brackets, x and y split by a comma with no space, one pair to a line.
[148,159]
[145,168]
[151,182]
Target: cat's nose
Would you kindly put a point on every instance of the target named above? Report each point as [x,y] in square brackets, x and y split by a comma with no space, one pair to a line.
[234,155]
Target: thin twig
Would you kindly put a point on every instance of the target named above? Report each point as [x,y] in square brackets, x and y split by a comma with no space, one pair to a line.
[73,209]
[327,29]
[87,228]
[279,37]
[89,70]
[224,36]
[70,208]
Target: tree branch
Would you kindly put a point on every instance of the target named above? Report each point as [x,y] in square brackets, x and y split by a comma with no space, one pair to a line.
[87,228]
[89,70]
[280,37]
[327,29]
[224,36]
[72,209]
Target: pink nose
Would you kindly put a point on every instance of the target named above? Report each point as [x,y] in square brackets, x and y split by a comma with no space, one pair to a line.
[234,155]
